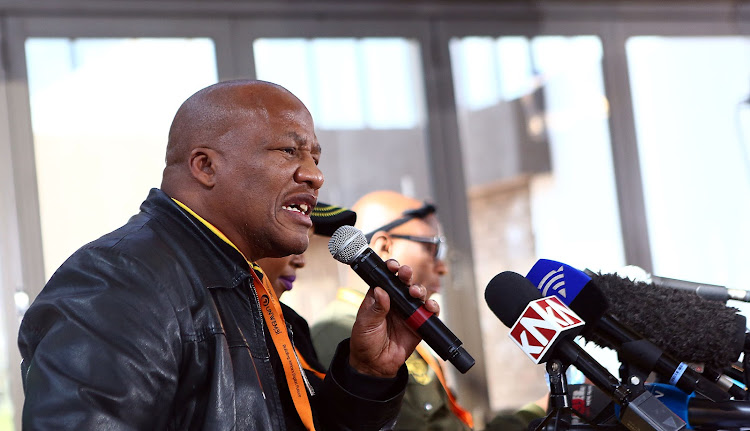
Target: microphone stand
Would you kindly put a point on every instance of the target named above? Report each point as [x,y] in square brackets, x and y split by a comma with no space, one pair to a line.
[559,400]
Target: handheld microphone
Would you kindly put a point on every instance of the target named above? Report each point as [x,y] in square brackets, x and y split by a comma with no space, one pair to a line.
[348,245]
[711,292]
[516,302]
[577,290]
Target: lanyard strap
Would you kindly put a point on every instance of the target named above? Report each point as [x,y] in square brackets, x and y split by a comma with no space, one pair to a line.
[307,367]
[271,309]
[459,411]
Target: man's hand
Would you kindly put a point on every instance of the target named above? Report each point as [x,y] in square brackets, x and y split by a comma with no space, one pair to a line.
[381,342]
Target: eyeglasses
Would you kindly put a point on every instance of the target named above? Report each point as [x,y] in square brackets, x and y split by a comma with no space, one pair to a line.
[421,212]
[441,247]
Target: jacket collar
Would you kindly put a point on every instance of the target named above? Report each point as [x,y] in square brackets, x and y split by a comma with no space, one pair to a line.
[231,267]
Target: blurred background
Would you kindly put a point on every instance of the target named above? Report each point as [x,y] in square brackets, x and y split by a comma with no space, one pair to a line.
[599,134]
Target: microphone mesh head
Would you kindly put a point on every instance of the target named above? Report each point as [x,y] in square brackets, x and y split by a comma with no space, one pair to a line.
[347,243]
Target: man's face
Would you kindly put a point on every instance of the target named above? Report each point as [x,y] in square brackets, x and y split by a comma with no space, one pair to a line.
[420,256]
[270,179]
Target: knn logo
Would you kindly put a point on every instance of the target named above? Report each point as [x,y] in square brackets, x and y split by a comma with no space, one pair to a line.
[555,280]
[541,324]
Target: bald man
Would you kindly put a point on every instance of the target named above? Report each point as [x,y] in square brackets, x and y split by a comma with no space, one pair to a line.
[167,324]
[407,230]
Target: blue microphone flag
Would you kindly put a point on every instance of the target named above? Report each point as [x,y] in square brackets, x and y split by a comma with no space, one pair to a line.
[559,279]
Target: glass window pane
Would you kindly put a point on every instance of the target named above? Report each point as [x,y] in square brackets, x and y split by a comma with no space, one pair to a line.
[283,65]
[535,141]
[338,77]
[101,110]
[690,99]
[476,71]
[391,89]
[347,83]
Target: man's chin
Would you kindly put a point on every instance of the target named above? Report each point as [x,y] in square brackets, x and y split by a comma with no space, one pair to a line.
[296,246]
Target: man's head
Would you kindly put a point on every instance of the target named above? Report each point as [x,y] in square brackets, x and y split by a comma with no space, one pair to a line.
[243,155]
[410,242]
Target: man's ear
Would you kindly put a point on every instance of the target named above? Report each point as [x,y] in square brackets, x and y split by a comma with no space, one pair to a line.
[203,165]
[381,244]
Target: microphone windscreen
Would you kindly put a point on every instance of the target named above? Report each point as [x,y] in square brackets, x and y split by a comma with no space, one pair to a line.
[688,327]
[508,294]
[347,243]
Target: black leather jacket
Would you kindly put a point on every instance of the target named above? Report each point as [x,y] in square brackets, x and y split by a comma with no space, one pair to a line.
[156,326]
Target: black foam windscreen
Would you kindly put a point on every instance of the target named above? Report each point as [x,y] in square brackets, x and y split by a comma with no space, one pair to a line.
[688,327]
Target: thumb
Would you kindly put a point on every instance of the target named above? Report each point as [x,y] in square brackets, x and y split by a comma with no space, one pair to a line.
[376,304]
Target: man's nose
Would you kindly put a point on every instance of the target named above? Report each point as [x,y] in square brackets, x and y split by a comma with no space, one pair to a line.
[309,173]
[441,267]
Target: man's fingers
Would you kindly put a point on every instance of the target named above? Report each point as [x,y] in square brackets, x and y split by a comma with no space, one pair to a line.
[432,306]
[404,272]
[418,291]
[392,265]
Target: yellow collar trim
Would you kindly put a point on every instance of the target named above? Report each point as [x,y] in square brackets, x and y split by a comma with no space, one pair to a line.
[216,231]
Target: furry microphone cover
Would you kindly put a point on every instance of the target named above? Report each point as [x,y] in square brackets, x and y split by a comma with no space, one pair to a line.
[688,327]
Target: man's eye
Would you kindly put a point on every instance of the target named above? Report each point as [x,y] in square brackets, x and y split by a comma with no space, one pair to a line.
[289,150]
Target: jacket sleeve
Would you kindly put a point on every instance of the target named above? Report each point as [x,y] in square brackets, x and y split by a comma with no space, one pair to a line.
[352,401]
[83,366]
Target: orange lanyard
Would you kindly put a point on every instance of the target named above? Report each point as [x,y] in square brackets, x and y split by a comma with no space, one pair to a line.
[295,378]
[307,367]
[459,411]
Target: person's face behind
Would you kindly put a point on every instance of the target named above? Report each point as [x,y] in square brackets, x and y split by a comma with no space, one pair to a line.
[272,179]
[420,256]
[282,271]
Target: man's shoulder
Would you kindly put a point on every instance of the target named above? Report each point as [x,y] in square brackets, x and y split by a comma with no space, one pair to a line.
[143,234]
[163,242]
[148,253]
[141,242]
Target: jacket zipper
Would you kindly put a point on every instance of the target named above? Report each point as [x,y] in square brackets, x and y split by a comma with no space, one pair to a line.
[294,349]
[301,370]
[262,331]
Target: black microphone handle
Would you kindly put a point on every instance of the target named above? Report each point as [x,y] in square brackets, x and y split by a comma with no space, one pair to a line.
[572,354]
[640,409]
[371,268]
[642,353]
[706,414]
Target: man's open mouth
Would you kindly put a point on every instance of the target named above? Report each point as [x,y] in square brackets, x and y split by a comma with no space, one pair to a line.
[300,208]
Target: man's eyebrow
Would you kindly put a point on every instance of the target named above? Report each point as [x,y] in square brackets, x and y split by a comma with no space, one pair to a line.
[300,140]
